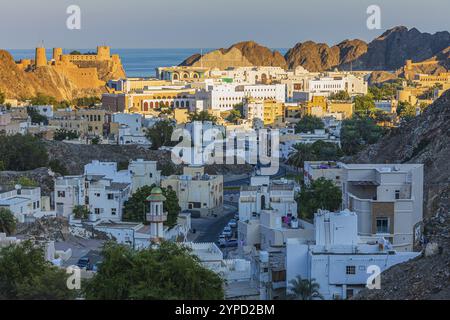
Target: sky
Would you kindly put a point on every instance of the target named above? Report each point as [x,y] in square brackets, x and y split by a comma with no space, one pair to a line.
[208,23]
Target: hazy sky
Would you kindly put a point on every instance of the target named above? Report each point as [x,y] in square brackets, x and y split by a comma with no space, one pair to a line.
[208,23]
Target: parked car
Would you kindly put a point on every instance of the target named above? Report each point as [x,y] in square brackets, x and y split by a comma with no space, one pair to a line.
[84,262]
[222,240]
[227,232]
[231,243]
[232,223]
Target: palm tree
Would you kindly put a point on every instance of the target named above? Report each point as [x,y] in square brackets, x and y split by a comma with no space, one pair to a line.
[301,154]
[7,221]
[304,289]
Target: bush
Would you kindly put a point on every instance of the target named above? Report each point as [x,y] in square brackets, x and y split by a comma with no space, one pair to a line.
[22,152]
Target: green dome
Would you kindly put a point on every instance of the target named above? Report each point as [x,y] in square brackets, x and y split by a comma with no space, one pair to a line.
[156,195]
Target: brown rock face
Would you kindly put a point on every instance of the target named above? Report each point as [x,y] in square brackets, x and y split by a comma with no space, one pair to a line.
[242,54]
[392,48]
[317,57]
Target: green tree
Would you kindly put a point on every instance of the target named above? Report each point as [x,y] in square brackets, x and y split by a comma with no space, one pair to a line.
[364,105]
[320,194]
[36,117]
[304,289]
[7,221]
[308,124]
[136,206]
[168,272]
[75,53]
[80,212]
[2,97]
[42,99]
[22,152]
[234,116]
[317,151]
[26,275]
[358,132]
[202,116]
[86,101]
[95,140]
[341,96]
[63,134]
[406,111]
[58,167]
[160,134]
[26,182]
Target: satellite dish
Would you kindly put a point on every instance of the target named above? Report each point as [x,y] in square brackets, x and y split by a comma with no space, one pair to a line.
[17,187]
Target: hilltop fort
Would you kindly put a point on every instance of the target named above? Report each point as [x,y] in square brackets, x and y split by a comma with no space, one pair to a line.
[64,76]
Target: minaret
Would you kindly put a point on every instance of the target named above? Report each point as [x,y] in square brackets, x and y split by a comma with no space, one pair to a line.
[155,214]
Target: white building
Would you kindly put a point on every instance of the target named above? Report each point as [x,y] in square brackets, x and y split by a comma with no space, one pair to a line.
[338,261]
[329,84]
[144,173]
[105,199]
[24,202]
[103,188]
[225,97]
[330,170]
[69,192]
[388,199]
[263,194]
[197,191]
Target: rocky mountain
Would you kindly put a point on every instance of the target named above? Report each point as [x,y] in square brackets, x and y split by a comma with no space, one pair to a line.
[242,54]
[387,52]
[425,139]
[391,49]
[317,57]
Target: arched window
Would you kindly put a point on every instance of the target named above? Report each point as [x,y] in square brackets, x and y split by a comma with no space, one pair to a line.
[156,104]
[187,104]
[145,106]
[182,104]
[177,104]
[175,76]
[263,202]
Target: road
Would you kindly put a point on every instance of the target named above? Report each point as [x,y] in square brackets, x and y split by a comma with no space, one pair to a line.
[208,229]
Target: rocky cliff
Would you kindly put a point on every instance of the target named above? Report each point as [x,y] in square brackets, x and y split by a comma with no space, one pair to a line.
[17,83]
[317,57]
[425,139]
[387,52]
[391,49]
[242,54]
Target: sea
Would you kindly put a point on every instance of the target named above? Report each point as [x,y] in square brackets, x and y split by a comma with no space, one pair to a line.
[137,62]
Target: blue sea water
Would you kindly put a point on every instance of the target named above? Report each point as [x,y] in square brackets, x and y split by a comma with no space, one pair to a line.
[137,62]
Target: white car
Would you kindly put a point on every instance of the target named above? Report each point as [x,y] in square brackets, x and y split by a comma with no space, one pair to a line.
[227,232]
[232,223]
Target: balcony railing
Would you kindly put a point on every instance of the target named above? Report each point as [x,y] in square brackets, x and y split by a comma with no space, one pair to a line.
[156,218]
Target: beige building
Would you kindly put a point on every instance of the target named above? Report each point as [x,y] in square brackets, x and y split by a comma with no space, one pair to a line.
[197,191]
[86,122]
[329,170]
[388,199]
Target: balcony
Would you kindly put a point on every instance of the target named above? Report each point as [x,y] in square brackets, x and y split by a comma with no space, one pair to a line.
[157,218]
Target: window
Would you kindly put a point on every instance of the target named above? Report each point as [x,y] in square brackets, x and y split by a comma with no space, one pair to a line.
[349,293]
[397,194]
[97,195]
[97,211]
[382,225]
[350,270]
[110,196]
[61,194]
[113,211]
